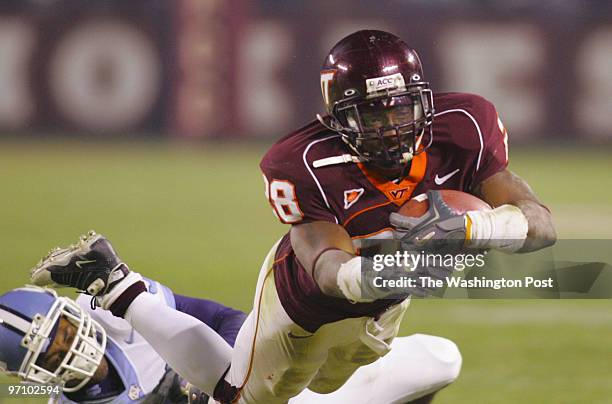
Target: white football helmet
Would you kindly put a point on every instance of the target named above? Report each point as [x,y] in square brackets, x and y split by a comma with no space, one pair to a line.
[29,319]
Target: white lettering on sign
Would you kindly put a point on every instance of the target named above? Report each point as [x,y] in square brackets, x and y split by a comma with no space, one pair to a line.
[593,103]
[17,41]
[504,62]
[105,75]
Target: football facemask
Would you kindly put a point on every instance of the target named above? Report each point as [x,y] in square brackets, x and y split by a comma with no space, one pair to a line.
[387,131]
[79,362]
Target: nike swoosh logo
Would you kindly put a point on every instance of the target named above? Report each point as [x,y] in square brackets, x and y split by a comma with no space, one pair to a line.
[292,335]
[441,180]
[79,263]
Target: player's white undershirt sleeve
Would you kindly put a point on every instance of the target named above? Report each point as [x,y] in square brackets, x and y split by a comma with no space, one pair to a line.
[193,349]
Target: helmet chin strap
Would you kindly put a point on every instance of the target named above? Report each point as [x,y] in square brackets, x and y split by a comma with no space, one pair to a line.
[349,158]
[407,156]
[328,126]
[417,143]
[342,159]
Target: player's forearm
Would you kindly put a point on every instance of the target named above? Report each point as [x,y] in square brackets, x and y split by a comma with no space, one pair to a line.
[541,232]
[327,267]
[325,251]
[508,189]
[353,277]
[190,347]
[521,226]
[322,248]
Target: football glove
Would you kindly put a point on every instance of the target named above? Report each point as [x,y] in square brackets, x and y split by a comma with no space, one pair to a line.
[439,223]
[504,228]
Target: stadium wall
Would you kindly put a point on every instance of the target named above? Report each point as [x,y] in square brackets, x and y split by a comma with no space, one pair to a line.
[249,69]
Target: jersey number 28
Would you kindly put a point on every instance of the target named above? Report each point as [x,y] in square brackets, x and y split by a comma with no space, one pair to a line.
[282,197]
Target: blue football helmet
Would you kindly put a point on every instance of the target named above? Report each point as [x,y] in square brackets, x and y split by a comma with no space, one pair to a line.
[29,318]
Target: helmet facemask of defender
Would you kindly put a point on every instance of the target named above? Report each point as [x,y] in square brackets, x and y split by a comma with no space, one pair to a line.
[81,360]
[376,98]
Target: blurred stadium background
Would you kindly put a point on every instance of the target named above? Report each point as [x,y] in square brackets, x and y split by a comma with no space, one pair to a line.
[145,120]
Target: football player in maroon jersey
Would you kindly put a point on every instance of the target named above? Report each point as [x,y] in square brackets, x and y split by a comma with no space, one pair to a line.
[338,181]
[341,178]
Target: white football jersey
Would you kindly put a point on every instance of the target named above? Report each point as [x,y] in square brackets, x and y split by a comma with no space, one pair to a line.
[139,366]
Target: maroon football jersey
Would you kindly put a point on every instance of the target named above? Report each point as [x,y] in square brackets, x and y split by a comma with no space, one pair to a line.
[303,185]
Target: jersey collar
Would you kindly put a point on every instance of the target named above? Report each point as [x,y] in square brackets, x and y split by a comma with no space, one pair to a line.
[402,191]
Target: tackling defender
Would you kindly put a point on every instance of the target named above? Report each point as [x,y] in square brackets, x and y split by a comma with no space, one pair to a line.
[99,358]
[337,181]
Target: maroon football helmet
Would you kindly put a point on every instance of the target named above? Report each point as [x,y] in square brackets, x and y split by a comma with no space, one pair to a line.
[375,94]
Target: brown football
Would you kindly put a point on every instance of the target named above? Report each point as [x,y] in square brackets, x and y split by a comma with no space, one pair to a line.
[458,201]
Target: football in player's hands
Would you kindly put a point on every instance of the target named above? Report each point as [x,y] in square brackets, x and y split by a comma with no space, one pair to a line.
[436,215]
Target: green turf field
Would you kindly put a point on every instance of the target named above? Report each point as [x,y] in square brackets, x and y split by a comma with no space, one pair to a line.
[195,218]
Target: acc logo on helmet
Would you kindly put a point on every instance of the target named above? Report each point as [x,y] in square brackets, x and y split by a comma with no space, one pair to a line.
[393,81]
